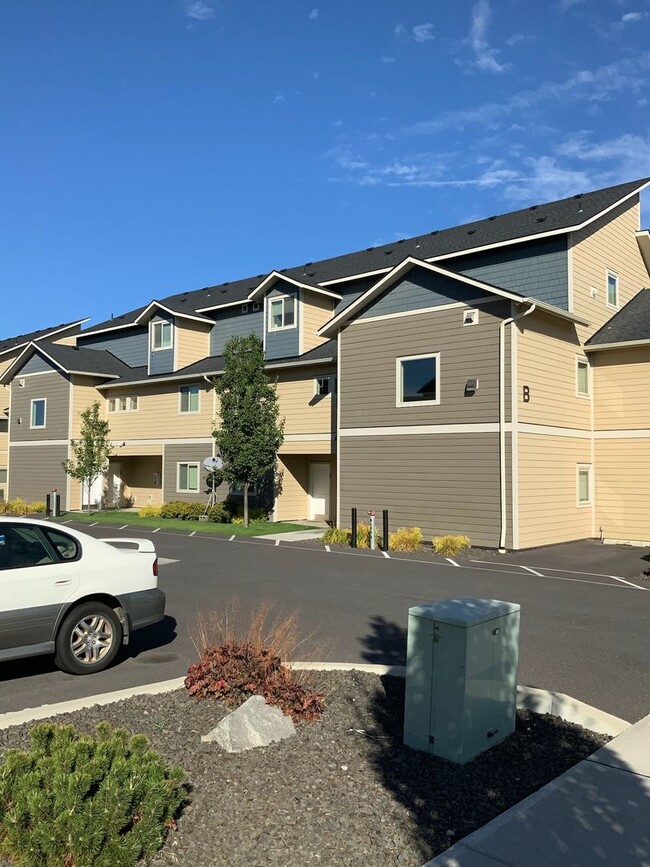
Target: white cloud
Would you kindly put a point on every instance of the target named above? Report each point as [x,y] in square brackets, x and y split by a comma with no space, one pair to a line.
[199,10]
[485,57]
[386,59]
[633,16]
[338,123]
[313,15]
[399,30]
[278,97]
[515,39]
[423,32]
[565,5]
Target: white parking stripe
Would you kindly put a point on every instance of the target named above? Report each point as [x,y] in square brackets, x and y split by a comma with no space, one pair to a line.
[193,533]
[277,542]
[95,524]
[232,539]
[623,581]
[157,530]
[453,562]
[328,549]
[386,554]
[123,528]
[532,571]
[165,561]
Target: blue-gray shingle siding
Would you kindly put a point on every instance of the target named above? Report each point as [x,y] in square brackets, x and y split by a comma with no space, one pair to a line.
[162,360]
[417,290]
[284,343]
[130,345]
[231,323]
[37,364]
[539,269]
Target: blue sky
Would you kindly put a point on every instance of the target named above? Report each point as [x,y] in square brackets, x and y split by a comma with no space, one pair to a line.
[155,146]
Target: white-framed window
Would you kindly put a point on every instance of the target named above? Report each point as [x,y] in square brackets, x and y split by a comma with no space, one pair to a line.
[127,403]
[3,484]
[583,377]
[324,385]
[244,308]
[418,380]
[162,335]
[189,399]
[612,289]
[282,313]
[38,415]
[237,488]
[256,306]
[583,484]
[187,478]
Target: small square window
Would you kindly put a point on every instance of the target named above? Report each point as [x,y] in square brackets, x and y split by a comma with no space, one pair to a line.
[584,484]
[470,316]
[582,377]
[324,385]
[161,335]
[244,308]
[612,289]
[38,413]
[188,478]
[256,306]
[133,404]
[282,313]
[417,380]
[189,398]
[111,404]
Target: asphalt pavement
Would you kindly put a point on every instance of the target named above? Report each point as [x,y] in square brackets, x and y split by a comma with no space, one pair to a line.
[584,618]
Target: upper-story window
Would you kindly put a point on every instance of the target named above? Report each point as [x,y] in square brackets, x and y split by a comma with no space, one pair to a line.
[612,289]
[38,413]
[282,313]
[189,398]
[583,385]
[324,385]
[3,484]
[123,404]
[418,380]
[161,335]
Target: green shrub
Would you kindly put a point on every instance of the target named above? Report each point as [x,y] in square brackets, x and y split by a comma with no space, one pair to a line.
[218,514]
[337,536]
[405,539]
[175,509]
[236,510]
[14,507]
[194,511]
[149,512]
[36,507]
[76,800]
[448,546]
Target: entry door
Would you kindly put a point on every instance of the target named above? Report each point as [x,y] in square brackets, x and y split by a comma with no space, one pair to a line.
[96,492]
[319,491]
[114,483]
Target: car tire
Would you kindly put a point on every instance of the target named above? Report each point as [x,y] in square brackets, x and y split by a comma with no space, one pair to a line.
[89,639]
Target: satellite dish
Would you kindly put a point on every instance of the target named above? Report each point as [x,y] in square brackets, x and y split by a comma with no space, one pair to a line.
[213,463]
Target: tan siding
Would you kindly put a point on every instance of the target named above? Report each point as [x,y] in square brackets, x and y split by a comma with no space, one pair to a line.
[316,311]
[608,243]
[438,482]
[84,394]
[192,342]
[303,412]
[67,340]
[138,475]
[307,447]
[622,490]
[292,502]
[368,367]
[621,381]
[157,415]
[56,390]
[35,471]
[186,453]
[546,362]
[548,512]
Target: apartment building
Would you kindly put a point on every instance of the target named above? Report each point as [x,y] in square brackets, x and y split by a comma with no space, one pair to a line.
[482,379]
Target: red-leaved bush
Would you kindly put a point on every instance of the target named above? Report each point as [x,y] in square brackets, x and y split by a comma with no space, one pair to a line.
[233,670]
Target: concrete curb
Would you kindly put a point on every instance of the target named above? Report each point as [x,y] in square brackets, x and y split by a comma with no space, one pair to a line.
[293,536]
[536,700]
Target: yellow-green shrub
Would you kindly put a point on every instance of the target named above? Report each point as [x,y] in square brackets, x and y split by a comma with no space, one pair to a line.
[363,536]
[448,546]
[337,536]
[149,512]
[14,507]
[36,507]
[405,539]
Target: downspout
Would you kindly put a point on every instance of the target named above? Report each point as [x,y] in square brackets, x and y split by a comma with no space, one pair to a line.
[502,421]
[214,411]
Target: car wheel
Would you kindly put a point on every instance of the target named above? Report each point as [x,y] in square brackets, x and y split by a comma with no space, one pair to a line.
[88,639]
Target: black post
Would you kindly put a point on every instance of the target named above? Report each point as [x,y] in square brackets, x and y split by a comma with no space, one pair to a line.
[353,540]
[384,518]
[48,505]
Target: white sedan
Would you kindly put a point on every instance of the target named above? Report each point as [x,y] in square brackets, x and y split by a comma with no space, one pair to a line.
[67,593]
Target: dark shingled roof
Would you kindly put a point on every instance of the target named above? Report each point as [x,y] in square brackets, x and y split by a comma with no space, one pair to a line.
[92,361]
[632,322]
[23,339]
[524,223]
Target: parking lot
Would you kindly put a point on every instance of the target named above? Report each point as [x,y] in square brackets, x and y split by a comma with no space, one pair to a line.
[584,620]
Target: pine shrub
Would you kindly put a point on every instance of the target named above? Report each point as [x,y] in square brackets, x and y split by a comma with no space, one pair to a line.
[405,539]
[448,546]
[336,536]
[73,800]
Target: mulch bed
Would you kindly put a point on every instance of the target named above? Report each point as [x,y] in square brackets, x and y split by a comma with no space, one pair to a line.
[345,791]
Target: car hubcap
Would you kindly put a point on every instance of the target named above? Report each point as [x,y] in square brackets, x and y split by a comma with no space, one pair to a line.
[91,639]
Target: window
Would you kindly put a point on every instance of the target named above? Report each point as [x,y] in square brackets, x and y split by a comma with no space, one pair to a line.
[67,547]
[582,377]
[189,398]
[282,313]
[38,412]
[324,385]
[470,316]
[244,308]
[584,484]
[612,289]
[187,478]
[161,335]
[256,306]
[123,404]
[417,380]
[3,484]
[23,546]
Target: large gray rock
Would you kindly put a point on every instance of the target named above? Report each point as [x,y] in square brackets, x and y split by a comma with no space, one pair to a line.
[254,724]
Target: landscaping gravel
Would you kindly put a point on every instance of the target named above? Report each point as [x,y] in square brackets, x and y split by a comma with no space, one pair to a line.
[345,791]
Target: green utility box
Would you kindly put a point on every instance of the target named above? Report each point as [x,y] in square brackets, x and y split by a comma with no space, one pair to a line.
[461,676]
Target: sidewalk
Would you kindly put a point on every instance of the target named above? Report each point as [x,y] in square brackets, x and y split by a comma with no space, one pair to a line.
[597,813]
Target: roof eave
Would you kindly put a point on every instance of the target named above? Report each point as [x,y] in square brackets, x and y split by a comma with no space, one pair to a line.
[622,344]
[643,240]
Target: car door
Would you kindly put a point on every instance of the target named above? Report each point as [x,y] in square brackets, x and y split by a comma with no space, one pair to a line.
[39,572]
